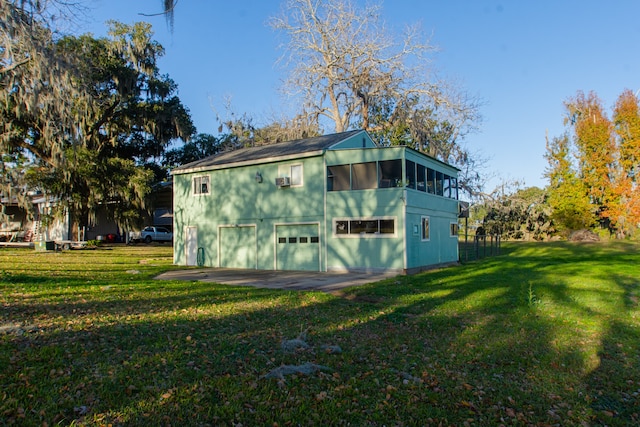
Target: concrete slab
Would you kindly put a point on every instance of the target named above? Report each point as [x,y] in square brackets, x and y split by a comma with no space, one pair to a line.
[287,280]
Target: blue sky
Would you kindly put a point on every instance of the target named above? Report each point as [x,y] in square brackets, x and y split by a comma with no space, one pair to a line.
[523,58]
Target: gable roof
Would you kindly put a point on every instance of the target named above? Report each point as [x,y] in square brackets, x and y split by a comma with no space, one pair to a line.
[297,148]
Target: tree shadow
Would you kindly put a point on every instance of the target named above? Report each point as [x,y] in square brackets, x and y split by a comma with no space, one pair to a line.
[446,346]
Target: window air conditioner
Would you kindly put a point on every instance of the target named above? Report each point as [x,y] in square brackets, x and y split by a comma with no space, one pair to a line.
[284,181]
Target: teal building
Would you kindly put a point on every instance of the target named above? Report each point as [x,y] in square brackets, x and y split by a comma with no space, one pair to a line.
[329,203]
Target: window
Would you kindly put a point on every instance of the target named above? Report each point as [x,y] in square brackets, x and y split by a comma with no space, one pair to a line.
[201,185]
[369,226]
[431,177]
[387,226]
[367,175]
[294,172]
[411,174]
[420,178]
[365,227]
[454,188]
[390,173]
[296,175]
[446,186]
[439,183]
[453,229]
[338,178]
[425,228]
[364,176]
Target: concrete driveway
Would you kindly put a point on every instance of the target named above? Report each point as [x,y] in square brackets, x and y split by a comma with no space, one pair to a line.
[288,280]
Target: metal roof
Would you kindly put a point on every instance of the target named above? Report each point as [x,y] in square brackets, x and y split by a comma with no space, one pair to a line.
[299,147]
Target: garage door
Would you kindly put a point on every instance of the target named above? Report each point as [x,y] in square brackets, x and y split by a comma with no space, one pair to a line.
[238,247]
[298,247]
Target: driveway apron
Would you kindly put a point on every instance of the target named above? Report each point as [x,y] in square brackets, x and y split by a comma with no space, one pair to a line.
[287,280]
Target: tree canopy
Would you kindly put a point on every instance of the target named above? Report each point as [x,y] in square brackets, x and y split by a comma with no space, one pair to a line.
[593,169]
[348,70]
[83,118]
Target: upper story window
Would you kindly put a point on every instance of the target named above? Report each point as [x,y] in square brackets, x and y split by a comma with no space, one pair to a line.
[431,181]
[388,174]
[339,178]
[365,176]
[201,185]
[411,174]
[293,172]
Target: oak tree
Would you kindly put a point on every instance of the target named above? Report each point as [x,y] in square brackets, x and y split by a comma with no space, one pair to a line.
[349,71]
[87,114]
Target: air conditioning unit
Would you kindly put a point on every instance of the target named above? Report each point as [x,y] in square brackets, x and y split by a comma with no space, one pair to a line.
[284,181]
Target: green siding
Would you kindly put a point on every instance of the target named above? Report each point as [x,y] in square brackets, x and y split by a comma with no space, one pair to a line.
[361,140]
[236,198]
[240,221]
[238,247]
[365,252]
[441,248]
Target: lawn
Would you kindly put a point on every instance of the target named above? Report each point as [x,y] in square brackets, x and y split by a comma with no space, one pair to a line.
[544,334]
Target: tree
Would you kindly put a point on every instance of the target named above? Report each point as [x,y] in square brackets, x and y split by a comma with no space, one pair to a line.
[349,71]
[37,92]
[593,138]
[626,191]
[603,182]
[567,194]
[199,147]
[516,213]
[87,113]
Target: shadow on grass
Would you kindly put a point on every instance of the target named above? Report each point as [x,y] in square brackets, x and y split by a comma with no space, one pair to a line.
[516,339]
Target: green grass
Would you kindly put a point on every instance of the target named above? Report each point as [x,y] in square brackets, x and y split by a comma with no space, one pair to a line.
[544,334]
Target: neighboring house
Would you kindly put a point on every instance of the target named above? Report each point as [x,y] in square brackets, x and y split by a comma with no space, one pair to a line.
[19,226]
[329,203]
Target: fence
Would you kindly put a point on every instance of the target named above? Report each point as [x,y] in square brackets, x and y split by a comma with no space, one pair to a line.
[475,247]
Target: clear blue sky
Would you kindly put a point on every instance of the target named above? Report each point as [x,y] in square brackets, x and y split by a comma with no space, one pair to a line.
[523,58]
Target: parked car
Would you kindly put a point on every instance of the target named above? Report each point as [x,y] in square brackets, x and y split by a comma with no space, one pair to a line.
[151,234]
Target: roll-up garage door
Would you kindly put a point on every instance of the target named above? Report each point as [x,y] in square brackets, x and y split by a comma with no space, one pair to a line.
[298,247]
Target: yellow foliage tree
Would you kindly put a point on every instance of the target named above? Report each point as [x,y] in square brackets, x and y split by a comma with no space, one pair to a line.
[604,183]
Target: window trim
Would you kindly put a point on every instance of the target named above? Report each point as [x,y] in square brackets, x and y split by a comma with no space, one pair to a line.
[194,187]
[376,235]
